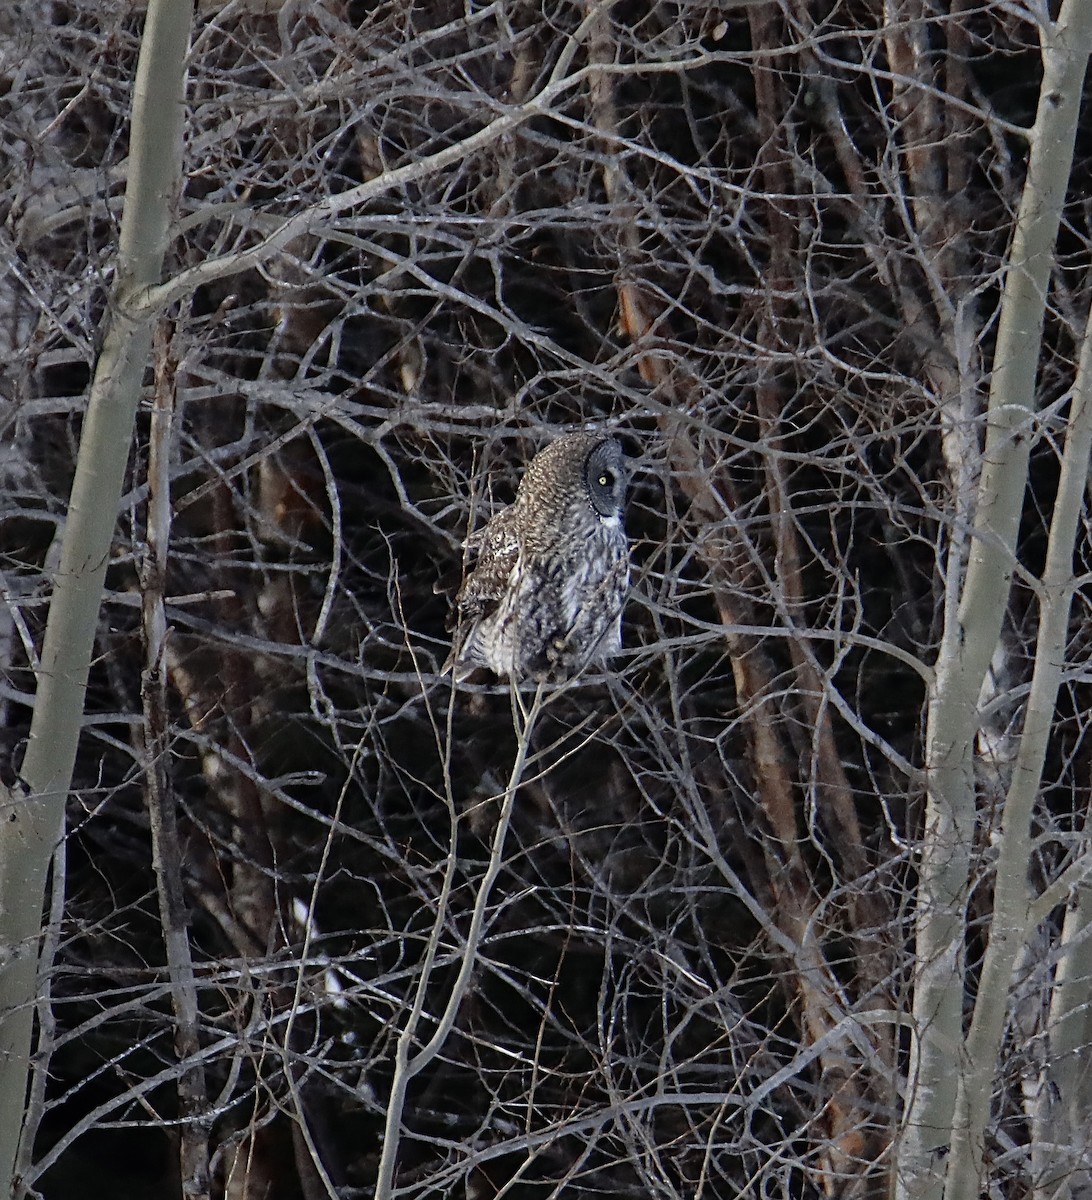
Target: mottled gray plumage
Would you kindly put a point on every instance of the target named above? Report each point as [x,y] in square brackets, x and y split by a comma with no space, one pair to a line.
[544,597]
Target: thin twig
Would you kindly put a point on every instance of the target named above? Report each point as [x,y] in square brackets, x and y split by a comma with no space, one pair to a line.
[408,1064]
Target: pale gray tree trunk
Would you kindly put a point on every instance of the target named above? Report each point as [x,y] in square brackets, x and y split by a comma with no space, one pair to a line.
[34,823]
[926,1168]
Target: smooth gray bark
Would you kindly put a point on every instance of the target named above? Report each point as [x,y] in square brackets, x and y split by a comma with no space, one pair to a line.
[33,824]
[926,1171]
[1009,927]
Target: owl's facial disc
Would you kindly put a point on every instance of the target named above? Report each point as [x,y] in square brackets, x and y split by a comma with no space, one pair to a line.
[605,479]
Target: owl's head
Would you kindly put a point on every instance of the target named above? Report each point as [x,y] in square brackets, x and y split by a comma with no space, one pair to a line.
[575,473]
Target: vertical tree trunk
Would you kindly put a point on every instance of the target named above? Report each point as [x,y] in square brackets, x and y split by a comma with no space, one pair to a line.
[970,637]
[33,825]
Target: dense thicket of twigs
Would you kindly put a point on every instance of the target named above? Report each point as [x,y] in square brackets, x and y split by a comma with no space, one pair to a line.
[764,244]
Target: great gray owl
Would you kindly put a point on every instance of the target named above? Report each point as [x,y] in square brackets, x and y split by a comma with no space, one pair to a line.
[544,597]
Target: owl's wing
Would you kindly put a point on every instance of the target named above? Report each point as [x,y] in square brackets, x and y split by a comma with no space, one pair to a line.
[495,549]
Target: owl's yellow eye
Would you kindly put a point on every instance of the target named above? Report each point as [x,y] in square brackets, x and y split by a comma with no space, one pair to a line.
[605,480]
